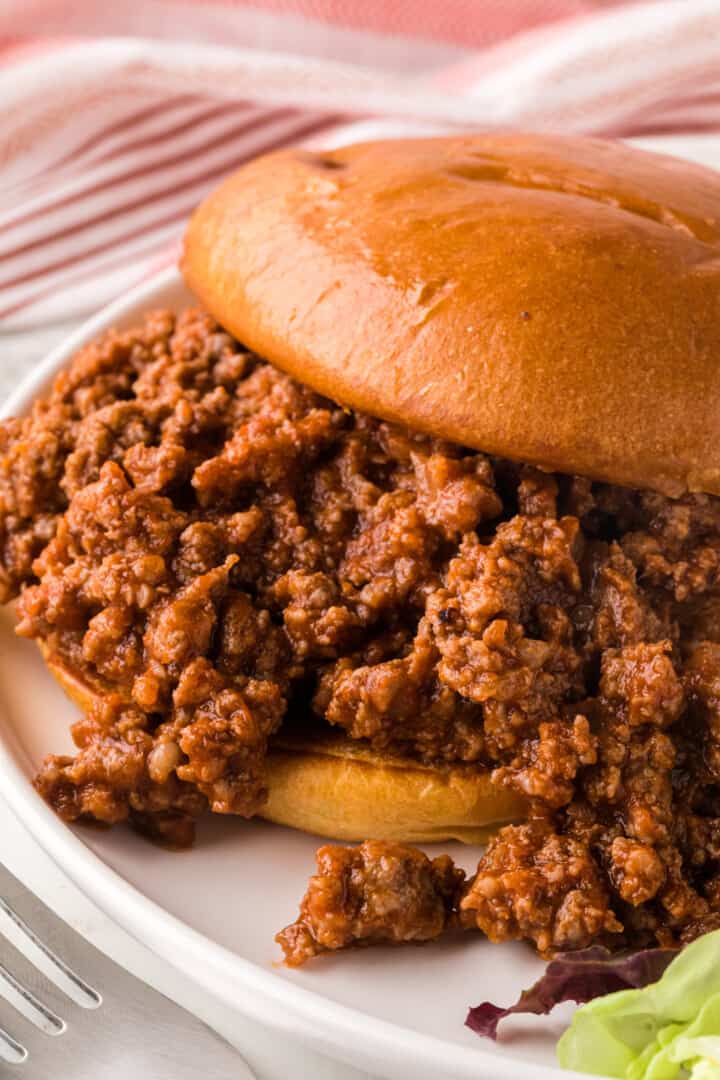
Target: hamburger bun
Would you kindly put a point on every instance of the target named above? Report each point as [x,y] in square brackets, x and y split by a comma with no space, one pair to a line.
[337,787]
[546,299]
[334,787]
[551,300]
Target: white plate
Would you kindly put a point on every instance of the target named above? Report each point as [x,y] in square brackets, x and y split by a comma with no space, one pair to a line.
[213,911]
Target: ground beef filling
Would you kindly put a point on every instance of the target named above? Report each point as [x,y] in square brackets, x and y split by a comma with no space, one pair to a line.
[214,547]
[376,892]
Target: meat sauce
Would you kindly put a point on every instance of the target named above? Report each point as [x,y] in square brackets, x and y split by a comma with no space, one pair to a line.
[212,546]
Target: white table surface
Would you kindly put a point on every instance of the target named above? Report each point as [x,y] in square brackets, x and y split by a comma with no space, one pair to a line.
[271,1058]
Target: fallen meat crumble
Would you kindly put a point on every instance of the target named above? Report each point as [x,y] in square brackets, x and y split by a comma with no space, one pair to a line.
[209,543]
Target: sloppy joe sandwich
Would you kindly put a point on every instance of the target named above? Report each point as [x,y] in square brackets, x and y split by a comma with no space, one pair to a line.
[409,532]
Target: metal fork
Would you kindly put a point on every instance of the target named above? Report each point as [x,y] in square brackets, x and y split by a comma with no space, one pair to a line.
[55,1023]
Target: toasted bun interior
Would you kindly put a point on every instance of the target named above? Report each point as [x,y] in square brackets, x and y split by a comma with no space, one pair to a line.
[334,787]
[551,300]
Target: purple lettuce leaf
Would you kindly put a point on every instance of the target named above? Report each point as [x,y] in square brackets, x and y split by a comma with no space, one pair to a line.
[580,977]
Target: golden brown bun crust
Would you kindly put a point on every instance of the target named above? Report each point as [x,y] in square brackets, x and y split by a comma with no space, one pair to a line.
[333,787]
[548,299]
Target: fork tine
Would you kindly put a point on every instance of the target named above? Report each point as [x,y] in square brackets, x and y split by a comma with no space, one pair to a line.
[11,1051]
[30,1006]
[26,941]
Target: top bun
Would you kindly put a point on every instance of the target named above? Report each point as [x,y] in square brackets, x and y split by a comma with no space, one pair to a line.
[547,299]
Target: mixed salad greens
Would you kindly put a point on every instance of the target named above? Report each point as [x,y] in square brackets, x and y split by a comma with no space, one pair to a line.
[652,1015]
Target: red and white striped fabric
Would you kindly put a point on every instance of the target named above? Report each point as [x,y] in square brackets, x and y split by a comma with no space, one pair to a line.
[116,119]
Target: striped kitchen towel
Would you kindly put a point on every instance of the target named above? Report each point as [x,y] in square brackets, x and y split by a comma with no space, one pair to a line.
[116,119]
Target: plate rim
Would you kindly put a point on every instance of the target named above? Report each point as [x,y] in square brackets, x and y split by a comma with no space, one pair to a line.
[348,1034]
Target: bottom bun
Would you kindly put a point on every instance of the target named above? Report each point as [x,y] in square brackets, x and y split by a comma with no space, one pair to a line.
[335,787]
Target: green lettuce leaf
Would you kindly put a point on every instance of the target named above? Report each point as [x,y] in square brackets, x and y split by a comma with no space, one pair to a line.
[668,1030]
[699,1055]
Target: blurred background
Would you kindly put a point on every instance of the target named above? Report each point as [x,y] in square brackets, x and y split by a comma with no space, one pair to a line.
[115,119]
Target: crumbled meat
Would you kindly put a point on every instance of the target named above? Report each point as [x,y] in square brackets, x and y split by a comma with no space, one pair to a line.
[636,870]
[618,611]
[537,494]
[641,684]
[122,770]
[502,636]
[212,546]
[222,734]
[534,884]
[702,675]
[548,763]
[391,556]
[704,925]
[317,620]
[676,550]
[401,703]
[376,892]
[453,494]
